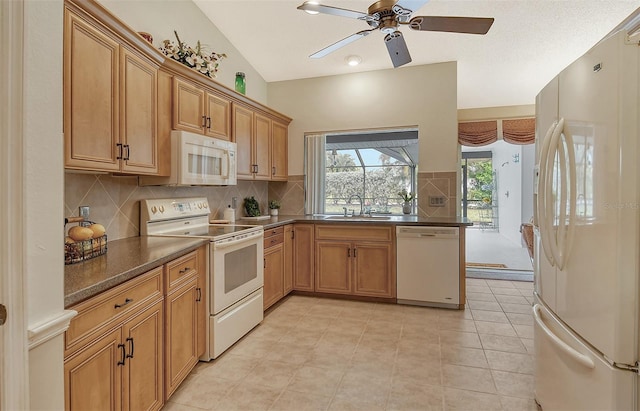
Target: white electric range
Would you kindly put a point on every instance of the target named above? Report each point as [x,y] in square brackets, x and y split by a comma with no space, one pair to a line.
[235,267]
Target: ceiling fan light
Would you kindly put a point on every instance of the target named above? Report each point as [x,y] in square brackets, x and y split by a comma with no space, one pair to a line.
[354,60]
[310,11]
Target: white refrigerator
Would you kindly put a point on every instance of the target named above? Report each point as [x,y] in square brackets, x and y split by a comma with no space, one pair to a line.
[587,230]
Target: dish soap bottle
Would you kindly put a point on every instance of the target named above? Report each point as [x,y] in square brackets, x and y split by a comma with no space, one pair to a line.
[241,84]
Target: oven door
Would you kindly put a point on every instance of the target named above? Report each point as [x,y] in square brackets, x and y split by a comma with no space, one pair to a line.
[236,270]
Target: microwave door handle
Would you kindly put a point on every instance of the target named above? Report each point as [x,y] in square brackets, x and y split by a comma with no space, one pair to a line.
[234,243]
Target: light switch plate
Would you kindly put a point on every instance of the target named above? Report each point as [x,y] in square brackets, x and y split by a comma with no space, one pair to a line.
[437,201]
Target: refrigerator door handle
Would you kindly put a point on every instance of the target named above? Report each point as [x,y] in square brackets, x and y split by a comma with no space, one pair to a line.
[554,148]
[578,357]
[543,209]
[568,229]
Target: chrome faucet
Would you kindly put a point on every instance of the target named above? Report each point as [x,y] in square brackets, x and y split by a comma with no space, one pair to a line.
[359,198]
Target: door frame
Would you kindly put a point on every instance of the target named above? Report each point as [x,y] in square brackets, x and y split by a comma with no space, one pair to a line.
[14,391]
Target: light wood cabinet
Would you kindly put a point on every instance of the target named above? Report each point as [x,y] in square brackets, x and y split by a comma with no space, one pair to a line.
[333,267]
[110,102]
[202,298]
[261,147]
[279,151]
[130,347]
[182,308]
[274,270]
[261,144]
[138,114]
[113,348]
[273,275]
[355,260]
[288,259]
[303,261]
[243,136]
[200,111]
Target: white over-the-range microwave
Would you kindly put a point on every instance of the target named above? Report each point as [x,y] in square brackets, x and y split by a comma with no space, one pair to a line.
[198,160]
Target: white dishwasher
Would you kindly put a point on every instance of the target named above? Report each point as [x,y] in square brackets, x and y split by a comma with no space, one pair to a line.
[428,266]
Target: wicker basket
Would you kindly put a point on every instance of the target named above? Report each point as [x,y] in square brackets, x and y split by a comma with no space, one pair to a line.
[83,250]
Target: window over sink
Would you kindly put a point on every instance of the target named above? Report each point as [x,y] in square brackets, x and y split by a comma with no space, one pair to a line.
[366,169]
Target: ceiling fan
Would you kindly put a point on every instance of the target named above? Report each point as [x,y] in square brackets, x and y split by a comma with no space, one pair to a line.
[387,16]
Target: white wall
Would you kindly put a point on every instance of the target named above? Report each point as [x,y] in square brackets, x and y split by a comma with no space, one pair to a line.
[422,96]
[161,17]
[43,143]
[528,159]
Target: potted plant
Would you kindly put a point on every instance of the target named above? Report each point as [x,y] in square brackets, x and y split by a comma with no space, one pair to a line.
[274,205]
[407,198]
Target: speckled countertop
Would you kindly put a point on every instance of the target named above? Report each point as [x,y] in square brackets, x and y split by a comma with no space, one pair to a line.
[125,259]
[335,219]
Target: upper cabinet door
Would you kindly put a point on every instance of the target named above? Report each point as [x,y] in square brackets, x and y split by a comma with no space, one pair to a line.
[279,151]
[261,150]
[91,97]
[188,107]
[218,117]
[243,136]
[138,114]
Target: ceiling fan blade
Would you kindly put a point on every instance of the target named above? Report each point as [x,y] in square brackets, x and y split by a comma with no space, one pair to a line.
[397,48]
[339,44]
[335,11]
[469,25]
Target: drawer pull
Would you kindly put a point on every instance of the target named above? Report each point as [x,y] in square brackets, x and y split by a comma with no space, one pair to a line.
[126,301]
[199,294]
[184,270]
[130,341]
[121,362]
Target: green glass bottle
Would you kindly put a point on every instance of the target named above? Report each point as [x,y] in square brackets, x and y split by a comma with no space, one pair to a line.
[241,84]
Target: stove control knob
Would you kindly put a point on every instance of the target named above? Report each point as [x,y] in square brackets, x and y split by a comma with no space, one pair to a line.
[200,205]
[206,205]
[162,209]
[154,209]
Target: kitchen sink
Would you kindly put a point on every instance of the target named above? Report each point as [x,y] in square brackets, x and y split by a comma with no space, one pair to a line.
[358,217]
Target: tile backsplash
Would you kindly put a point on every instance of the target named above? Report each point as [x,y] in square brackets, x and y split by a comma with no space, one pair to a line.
[115,200]
[437,184]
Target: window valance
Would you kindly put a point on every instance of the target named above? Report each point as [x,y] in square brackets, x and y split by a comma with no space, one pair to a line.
[520,131]
[477,133]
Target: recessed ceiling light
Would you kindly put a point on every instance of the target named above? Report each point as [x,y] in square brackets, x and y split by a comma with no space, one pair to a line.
[309,11]
[354,60]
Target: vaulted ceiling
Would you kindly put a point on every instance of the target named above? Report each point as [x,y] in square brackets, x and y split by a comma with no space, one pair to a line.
[528,44]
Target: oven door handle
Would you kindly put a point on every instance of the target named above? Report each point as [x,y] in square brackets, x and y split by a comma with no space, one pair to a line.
[233,243]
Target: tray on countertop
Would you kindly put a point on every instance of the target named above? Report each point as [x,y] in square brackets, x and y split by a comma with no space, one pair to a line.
[258,218]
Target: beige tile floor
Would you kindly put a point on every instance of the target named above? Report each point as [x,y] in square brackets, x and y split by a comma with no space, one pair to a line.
[326,354]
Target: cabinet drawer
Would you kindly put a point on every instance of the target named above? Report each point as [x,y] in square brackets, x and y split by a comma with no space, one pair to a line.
[354,232]
[181,268]
[99,313]
[273,240]
[273,232]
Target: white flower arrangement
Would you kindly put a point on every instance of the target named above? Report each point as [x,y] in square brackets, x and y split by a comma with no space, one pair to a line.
[206,64]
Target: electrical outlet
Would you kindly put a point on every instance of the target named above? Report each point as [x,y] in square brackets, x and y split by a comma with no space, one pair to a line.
[83,211]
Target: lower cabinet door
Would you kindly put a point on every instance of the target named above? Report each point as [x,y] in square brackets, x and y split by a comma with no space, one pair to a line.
[181,334]
[333,267]
[93,377]
[143,373]
[273,275]
[374,270]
